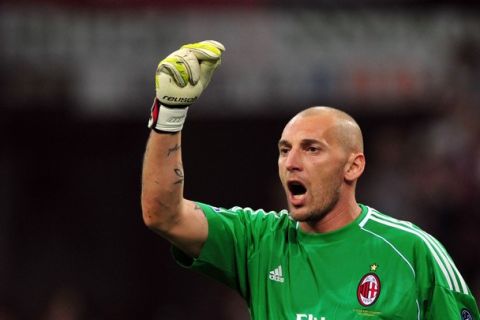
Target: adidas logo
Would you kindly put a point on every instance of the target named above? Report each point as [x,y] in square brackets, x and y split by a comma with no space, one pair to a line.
[276,274]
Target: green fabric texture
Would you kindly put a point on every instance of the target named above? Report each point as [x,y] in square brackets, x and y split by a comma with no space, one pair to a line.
[376,267]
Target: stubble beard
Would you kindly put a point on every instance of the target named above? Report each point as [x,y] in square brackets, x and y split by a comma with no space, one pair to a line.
[318,214]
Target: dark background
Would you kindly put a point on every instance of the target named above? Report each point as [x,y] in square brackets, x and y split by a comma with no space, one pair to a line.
[72,241]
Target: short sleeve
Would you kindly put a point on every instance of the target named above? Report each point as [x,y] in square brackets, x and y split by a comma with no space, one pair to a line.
[224,255]
[447,304]
[444,291]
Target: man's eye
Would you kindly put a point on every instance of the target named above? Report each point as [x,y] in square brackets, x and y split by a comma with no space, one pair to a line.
[312,149]
[283,150]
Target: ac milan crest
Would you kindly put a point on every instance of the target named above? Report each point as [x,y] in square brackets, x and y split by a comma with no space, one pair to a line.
[368,289]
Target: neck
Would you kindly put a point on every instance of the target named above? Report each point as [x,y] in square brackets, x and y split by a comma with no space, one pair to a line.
[343,213]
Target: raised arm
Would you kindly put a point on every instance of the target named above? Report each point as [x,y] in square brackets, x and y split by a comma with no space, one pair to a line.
[179,81]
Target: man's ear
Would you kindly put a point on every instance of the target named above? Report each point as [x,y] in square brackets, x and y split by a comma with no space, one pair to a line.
[354,167]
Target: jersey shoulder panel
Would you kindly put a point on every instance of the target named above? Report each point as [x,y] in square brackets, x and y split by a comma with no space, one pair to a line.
[261,219]
[258,217]
[393,229]
[255,227]
[427,256]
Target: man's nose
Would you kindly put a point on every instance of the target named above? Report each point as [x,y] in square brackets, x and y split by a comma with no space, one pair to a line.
[293,161]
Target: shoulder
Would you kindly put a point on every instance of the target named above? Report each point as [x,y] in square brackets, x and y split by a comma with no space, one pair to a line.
[396,230]
[425,252]
[262,220]
[255,228]
[262,215]
[252,218]
[405,237]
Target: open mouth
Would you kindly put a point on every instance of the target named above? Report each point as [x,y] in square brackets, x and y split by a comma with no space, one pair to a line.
[296,188]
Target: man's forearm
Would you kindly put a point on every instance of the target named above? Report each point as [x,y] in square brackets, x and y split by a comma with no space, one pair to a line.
[180,79]
[162,181]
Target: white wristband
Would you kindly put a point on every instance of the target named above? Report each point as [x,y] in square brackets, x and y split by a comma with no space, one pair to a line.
[170,119]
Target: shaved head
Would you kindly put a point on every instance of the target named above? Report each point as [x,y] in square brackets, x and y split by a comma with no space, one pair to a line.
[345,130]
[320,160]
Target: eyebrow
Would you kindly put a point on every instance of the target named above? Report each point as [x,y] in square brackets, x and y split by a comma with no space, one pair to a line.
[311,141]
[304,142]
[283,143]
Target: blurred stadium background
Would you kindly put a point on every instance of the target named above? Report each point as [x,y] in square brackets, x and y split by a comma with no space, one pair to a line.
[76,84]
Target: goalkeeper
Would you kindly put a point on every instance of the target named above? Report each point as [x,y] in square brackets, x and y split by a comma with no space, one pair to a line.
[325,258]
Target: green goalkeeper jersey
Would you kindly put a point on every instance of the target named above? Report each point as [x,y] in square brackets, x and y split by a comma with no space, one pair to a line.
[377,267]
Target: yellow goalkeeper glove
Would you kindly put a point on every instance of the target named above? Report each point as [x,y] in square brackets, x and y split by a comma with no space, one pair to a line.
[180,79]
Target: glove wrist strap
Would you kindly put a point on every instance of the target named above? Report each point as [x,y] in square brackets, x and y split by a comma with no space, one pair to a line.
[167,119]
